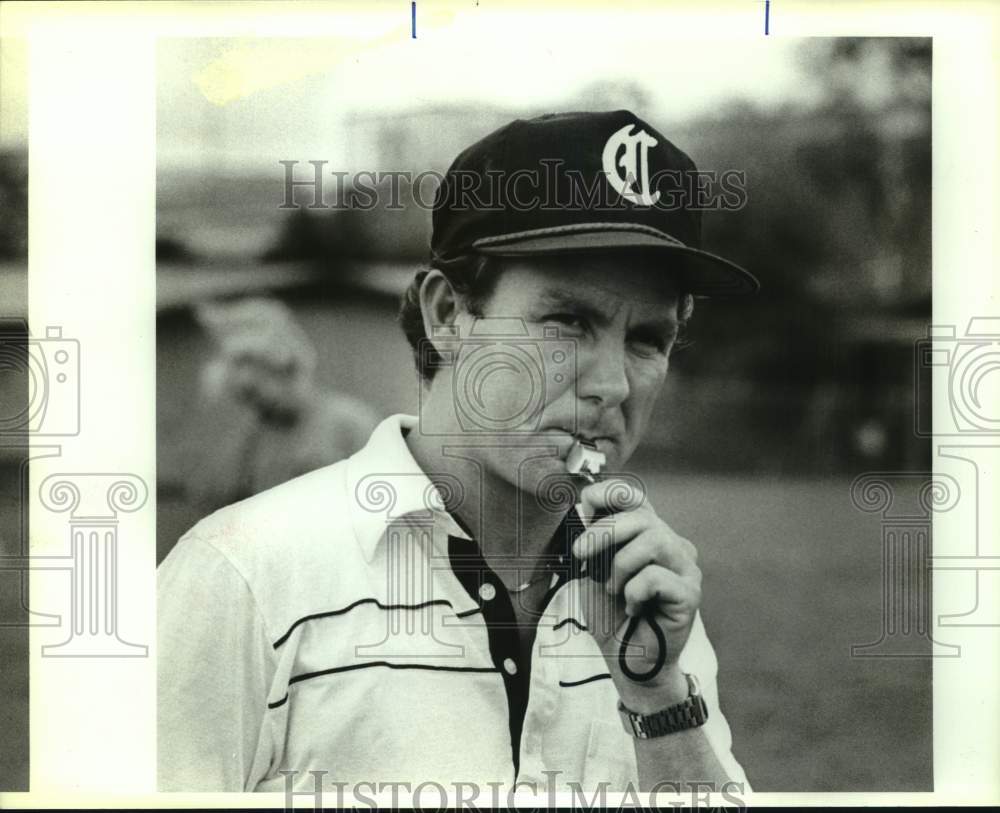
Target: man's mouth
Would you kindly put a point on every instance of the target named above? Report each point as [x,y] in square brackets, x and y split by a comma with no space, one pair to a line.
[601,442]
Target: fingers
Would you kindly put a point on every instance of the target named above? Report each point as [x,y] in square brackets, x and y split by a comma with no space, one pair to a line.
[614,495]
[612,530]
[264,348]
[652,548]
[677,595]
[258,330]
[617,529]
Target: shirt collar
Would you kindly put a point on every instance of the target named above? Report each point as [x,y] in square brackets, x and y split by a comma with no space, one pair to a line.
[386,484]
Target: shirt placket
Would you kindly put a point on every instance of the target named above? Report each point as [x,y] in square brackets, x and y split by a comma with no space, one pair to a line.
[489,592]
[538,678]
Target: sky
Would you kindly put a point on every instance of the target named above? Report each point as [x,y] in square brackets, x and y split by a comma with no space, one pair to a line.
[295,95]
[13,92]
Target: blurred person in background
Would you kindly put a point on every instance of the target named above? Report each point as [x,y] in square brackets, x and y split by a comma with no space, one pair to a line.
[262,416]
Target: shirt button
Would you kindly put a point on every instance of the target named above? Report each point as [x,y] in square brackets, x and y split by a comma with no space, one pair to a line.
[487,592]
[509,666]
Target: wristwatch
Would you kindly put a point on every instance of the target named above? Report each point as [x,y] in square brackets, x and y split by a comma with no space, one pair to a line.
[691,713]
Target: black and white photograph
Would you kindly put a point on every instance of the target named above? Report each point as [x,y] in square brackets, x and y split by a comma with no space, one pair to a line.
[445,403]
[16,412]
[411,348]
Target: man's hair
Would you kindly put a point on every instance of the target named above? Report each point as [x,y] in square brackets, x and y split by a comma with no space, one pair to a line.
[473,279]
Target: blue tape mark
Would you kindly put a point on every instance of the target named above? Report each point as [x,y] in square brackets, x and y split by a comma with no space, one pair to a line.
[413,19]
[767,17]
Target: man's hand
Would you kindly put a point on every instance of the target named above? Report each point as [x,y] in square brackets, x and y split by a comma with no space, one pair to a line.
[264,358]
[655,573]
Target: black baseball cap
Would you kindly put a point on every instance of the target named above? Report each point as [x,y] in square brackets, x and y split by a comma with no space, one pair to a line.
[580,182]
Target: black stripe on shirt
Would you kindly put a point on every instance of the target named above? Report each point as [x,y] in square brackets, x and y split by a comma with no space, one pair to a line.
[440,601]
[568,683]
[351,667]
[572,621]
[467,613]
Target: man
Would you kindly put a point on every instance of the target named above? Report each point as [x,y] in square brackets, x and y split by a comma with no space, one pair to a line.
[422,610]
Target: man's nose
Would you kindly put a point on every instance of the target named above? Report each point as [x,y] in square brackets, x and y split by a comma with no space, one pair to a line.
[602,376]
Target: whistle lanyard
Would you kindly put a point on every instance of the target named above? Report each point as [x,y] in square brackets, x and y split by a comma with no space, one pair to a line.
[598,568]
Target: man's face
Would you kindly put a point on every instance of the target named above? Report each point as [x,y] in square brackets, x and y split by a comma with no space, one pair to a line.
[617,315]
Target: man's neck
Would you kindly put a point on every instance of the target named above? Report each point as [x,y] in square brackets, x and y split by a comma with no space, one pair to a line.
[507,523]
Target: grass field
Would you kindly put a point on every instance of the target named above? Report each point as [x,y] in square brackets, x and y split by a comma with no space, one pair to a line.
[13,645]
[792,580]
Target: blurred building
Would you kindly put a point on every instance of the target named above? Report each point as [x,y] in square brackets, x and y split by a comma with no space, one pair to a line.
[419,139]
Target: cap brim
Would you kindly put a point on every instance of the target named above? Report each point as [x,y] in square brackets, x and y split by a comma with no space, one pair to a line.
[697,272]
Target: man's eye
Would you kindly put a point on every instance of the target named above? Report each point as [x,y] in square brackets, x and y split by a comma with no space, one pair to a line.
[566,319]
[649,345]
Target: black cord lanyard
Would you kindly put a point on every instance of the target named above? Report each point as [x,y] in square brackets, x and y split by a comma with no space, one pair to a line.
[599,569]
[661,648]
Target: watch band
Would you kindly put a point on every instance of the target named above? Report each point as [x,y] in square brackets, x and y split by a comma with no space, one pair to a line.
[690,713]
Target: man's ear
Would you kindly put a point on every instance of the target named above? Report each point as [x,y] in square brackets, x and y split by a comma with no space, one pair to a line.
[439,306]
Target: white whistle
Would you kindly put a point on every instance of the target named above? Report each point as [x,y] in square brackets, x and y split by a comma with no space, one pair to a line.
[585,460]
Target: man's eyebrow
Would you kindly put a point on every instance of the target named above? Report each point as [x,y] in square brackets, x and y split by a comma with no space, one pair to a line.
[667,326]
[556,299]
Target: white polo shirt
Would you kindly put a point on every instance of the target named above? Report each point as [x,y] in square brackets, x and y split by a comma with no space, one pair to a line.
[344,622]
